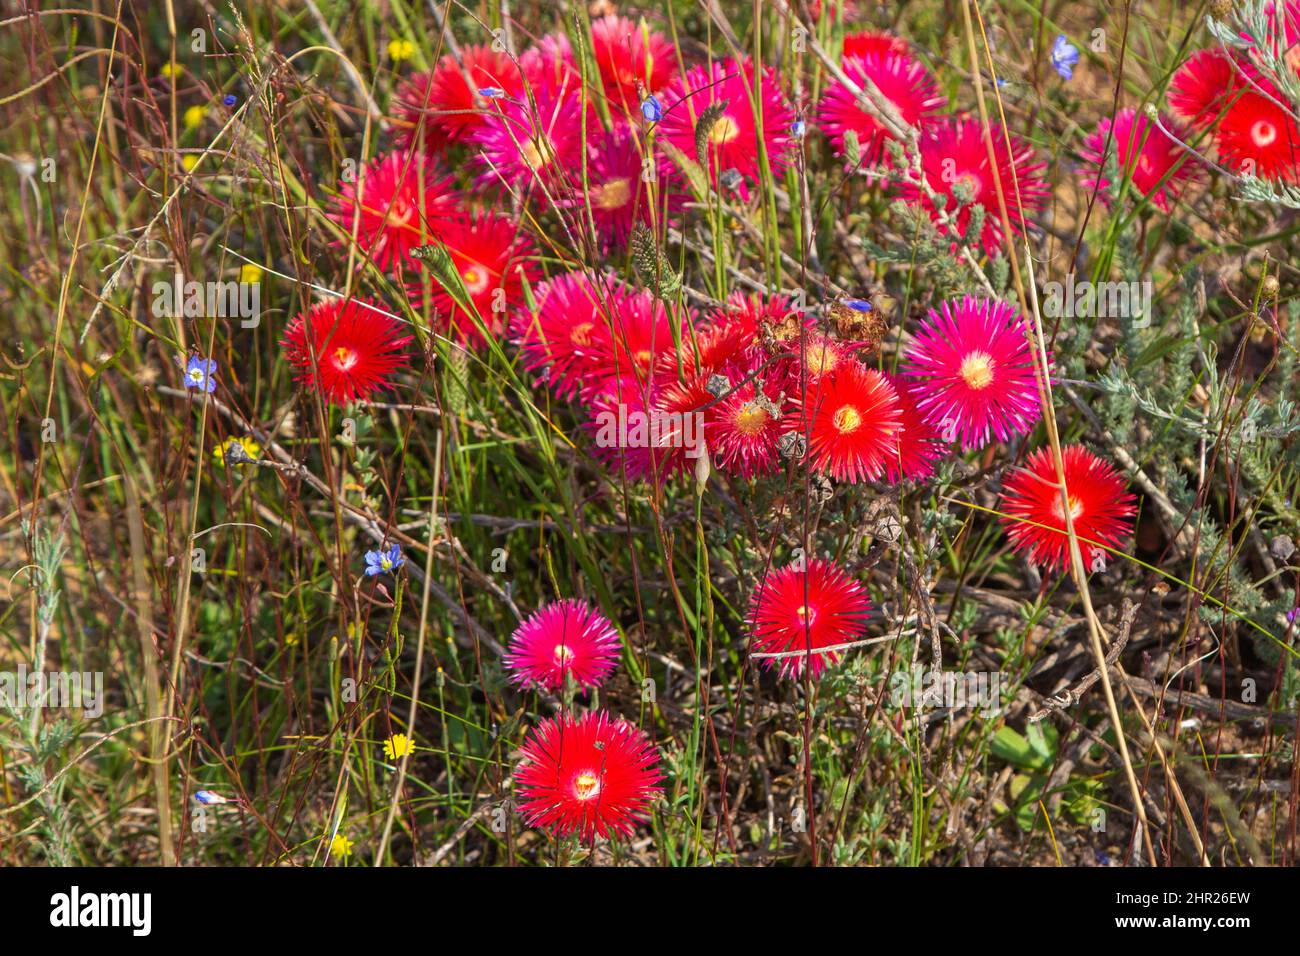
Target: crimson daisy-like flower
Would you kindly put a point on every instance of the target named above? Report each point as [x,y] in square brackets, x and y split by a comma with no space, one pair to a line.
[954,152]
[972,368]
[590,775]
[1202,88]
[403,203]
[443,106]
[744,427]
[919,445]
[901,79]
[492,258]
[1259,136]
[1157,166]
[628,53]
[536,141]
[733,137]
[1101,508]
[344,349]
[617,195]
[807,610]
[641,341]
[817,356]
[569,336]
[852,420]
[563,638]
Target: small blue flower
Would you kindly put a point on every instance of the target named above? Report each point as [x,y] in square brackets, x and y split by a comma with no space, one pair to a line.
[381,562]
[208,798]
[199,372]
[1292,614]
[651,108]
[1065,57]
[491,92]
[230,99]
[859,305]
[798,128]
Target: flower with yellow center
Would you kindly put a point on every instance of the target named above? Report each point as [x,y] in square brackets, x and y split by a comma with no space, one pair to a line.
[614,194]
[398,746]
[724,130]
[586,785]
[167,72]
[751,418]
[250,273]
[537,152]
[188,162]
[193,116]
[977,370]
[846,419]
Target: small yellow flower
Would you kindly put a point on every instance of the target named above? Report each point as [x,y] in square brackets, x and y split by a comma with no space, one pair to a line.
[251,449]
[166,71]
[250,273]
[193,116]
[291,640]
[340,846]
[398,746]
[399,50]
[189,161]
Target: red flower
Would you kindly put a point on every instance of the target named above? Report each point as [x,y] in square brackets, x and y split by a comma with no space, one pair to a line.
[628,53]
[1101,508]
[954,152]
[444,106]
[919,446]
[1259,136]
[901,79]
[852,420]
[654,440]
[403,203]
[593,775]
[733,138]
[1202,89]
[560,639]
[345,350]
[491,256]
[1157,166]
[808,611]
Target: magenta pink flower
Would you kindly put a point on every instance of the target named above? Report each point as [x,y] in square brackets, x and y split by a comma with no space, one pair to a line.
[619,196]
[972,369]
[733,141]
[901,79]
[569,337]
[742,430]
[563,638]
[1157,166]
[536,143]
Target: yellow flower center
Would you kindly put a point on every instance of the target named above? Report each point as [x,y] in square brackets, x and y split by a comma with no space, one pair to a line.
[563,654]
[724,131]
[344,358]
[475,279]
[614,194]
[820,359]
[750,419]
[586,785]
[537,152]
[399,214]
[642,360]
[971,182]
[977,370]
[580,334]
[846,419]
